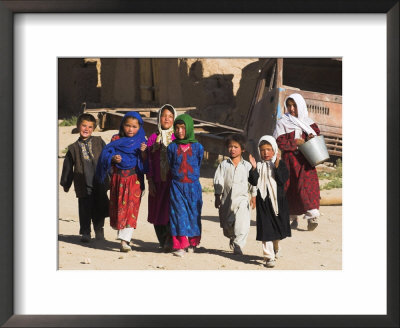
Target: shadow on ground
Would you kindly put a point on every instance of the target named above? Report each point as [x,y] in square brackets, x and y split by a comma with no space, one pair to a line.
[216,220]
[248,259]
[145,246]
[108,245]
[105,245]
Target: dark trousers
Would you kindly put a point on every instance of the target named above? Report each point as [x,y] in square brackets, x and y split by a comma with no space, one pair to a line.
[93,208]
[163,234]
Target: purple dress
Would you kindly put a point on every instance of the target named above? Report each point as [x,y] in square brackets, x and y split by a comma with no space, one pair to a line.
[159,172]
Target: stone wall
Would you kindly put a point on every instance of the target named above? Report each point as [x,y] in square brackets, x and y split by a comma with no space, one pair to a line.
[119,82]
[77,83]
[221,88]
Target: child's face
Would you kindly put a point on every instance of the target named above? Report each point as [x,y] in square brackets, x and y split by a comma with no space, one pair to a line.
[234,149]
[180,131]
[266,152]
[291,107]
[131,127]
[166,119]
[86,129]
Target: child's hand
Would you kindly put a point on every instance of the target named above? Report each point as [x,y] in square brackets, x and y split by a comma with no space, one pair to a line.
[253,202]
[143,146]
[217,202]
[299,142]
[278,159]
[152,188]
[310,136]
[252,161]
[117,159]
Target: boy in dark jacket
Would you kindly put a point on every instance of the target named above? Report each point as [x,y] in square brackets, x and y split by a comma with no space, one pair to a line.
[80,166]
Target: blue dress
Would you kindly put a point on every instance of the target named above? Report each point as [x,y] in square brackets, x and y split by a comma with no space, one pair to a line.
[185,192]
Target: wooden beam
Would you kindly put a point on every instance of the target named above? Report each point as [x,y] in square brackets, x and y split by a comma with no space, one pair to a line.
[219,125]
[316,95]
[329,140]
[335,153]
[134,109]
[330,146]
[279,75]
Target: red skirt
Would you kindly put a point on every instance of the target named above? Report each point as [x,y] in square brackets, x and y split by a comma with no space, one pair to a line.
[302,187]
[125,196]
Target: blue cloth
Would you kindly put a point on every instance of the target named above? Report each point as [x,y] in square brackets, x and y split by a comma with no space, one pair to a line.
[128,148]
[186,198]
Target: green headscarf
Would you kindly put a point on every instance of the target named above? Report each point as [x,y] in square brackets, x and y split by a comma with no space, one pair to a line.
[189,137]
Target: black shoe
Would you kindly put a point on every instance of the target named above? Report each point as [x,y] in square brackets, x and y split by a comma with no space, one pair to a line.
[237,250]
[99,234]
[85,238]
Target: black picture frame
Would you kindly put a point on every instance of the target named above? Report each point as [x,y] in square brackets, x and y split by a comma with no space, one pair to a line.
[10,7]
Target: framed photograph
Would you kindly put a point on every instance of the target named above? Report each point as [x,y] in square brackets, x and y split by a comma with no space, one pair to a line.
[35,34]
[219,94]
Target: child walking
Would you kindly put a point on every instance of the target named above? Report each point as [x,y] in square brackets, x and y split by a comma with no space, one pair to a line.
[302,188]
[231,181]
[159,176]
[79,166]
[272,209]
[126,158]
[184,157]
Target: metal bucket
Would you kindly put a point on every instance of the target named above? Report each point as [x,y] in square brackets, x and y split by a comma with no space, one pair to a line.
[315,151]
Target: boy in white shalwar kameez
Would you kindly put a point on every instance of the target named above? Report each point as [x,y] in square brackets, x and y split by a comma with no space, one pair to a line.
[231,182]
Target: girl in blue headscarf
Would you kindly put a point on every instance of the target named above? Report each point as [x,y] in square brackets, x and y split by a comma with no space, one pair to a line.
[125,158]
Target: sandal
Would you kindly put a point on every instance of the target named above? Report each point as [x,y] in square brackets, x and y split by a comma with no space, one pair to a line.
[125,248]
[312,224]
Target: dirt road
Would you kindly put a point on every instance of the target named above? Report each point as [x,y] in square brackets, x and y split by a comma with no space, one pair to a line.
[320,249]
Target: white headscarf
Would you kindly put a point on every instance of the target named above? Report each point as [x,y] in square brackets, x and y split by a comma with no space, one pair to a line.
[163,139]
[289,123]
[165,135]
[266,180]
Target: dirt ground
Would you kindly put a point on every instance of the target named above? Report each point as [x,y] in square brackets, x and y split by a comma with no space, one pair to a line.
[320,249]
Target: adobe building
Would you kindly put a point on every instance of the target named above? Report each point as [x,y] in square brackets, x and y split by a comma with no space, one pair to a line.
[221,89]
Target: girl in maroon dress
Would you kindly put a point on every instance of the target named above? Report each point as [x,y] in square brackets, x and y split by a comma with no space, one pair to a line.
[302,188]
[125,158]
[159,176]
